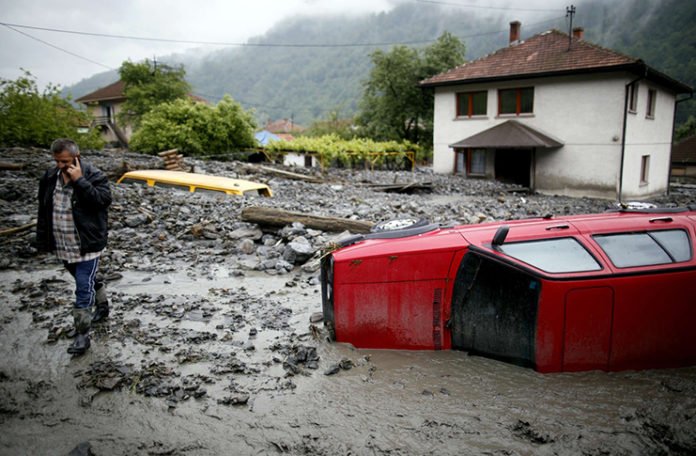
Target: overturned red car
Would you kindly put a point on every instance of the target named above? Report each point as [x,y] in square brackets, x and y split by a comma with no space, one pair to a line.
[608,291]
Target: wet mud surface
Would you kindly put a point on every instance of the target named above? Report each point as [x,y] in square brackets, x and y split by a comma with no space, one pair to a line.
[211,347]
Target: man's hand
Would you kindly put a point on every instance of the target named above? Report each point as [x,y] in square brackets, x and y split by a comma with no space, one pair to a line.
[75,170]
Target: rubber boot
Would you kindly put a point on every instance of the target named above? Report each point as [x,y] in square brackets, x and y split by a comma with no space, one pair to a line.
[83,321]
[101,303]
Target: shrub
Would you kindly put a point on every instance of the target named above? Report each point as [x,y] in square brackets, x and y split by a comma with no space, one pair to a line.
[31,118]
[195,128]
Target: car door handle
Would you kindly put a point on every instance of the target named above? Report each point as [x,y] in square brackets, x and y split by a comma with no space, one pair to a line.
[661,219]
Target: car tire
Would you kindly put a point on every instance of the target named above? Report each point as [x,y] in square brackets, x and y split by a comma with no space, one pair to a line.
[398,224]
[399,228]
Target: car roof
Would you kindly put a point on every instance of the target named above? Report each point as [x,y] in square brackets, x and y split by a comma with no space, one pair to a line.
[206,181]
[480,236]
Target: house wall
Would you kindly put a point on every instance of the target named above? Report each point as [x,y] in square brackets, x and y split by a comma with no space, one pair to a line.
[652,137]
[585,113]
[295,159]
[96,110]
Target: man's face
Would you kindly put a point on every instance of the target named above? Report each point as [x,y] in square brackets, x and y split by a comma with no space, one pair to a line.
[63,160]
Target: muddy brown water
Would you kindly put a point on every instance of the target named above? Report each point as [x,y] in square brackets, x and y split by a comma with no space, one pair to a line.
[390,402]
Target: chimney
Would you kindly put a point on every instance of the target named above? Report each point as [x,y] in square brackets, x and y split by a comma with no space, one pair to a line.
[515,32]
[578,33]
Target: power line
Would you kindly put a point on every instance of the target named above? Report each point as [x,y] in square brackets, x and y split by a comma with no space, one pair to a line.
[209,43]
[222,43]
[470,5]
[9,26]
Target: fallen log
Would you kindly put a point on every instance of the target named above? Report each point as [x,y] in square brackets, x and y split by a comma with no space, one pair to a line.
[279,217]
[6,166]
[289,175]
[409,187]
[17,229]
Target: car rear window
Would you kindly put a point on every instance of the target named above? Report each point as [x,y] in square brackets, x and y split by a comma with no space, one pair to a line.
[553,255]
[645,249]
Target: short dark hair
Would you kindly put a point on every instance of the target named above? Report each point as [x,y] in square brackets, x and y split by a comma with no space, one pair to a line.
[61,144]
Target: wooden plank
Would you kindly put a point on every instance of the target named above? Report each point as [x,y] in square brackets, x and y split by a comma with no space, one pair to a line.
[289,175]
[6,166]
[17,229]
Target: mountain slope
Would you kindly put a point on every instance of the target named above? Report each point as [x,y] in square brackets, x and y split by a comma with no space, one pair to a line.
[307,83]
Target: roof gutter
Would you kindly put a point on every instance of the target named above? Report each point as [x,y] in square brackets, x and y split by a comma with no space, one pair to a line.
[623,133]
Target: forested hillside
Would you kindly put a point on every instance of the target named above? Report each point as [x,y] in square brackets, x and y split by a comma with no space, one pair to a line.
[303,82]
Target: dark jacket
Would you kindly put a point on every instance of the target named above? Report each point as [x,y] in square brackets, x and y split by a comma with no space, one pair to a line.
[90,202]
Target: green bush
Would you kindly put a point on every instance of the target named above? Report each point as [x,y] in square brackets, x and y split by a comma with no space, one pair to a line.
[31,118]
[195,128]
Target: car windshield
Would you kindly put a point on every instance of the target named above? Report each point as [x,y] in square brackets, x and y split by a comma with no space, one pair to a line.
[553,255]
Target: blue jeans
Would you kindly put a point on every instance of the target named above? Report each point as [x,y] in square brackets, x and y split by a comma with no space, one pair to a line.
[84,273]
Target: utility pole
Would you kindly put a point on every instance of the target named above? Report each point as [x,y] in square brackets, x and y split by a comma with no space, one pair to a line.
[570,11]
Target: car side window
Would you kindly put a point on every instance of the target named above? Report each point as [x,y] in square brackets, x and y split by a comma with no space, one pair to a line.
[133,182]
[181,187]
[553,255]
[645,249]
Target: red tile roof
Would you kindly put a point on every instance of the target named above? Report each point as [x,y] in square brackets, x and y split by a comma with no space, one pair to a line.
[283,126]
[547,54]
[111,92]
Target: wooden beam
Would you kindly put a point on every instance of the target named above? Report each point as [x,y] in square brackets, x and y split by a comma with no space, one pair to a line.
[18,229]
[279,217]
[289,175]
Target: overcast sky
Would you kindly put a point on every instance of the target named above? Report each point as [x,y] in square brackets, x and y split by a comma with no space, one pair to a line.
[229,21]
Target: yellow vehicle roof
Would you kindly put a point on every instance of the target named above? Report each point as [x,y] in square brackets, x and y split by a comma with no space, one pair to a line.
[195,181]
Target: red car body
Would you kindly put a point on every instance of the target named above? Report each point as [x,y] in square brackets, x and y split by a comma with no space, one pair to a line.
[606,291]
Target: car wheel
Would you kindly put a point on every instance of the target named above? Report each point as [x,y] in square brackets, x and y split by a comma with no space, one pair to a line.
[398,224]
[399,228]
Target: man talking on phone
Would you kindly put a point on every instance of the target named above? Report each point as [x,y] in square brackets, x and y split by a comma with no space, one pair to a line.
[74,197]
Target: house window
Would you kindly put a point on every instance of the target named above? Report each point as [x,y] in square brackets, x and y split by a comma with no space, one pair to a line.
[476,163]
[633,98]
[471,104]
[516,101]
[644,167]
[650,112]
[459,161]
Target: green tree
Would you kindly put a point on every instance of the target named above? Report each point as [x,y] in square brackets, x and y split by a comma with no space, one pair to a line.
[29,117]
[332,124]
[195,128]
[685,130]
[147,85]
[393,106]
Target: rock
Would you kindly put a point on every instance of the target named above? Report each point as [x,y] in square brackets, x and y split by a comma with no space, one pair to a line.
[82,449]
[254,234]
[247,246]
[298,250]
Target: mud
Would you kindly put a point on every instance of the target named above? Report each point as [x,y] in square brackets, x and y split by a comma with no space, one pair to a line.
[210,348]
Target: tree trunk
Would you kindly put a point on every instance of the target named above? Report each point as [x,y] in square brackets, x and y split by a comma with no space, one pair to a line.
[279,217]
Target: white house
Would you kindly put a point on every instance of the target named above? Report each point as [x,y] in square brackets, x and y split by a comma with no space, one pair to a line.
[559,115]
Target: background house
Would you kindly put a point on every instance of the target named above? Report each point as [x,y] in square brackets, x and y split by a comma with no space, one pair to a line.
[283,129]
[684,159]
[559,115]
[103,105]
